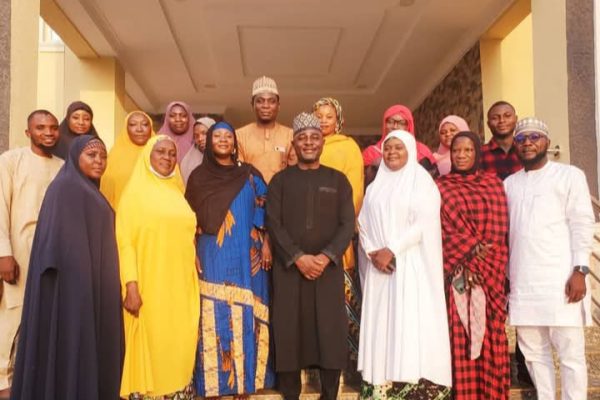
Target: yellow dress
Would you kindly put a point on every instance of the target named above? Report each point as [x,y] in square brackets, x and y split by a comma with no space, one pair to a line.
[155,233]
[341,152]
[121,160]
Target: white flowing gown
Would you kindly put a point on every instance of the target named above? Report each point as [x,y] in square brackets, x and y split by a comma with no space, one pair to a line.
[404,326]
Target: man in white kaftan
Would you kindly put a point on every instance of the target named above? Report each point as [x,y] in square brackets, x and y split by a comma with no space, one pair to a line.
[25,174]
[551,231]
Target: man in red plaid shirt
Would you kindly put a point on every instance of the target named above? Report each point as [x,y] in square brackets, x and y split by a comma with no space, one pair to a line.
[499,155]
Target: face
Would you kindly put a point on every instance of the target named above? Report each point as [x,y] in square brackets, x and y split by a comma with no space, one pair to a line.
[447,132]
[80,122]
[531,147]
[138,129]
[163,157]
[502,120]
[223,144]
[179,120]
[200,136]
[395,155]
[42,130]
[328,118]
[308,145]
[266,107]
[92,162]
[463,154]
[395,122]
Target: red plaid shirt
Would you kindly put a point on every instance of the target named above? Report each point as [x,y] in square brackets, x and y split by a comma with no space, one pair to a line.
[495,160]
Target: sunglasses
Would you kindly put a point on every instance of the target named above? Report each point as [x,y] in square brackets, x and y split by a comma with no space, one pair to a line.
[533,137]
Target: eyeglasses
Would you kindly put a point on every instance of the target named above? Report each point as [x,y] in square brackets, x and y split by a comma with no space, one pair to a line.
[396,122]
[533,137]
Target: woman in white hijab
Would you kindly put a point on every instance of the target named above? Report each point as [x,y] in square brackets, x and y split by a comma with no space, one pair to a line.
[404,346]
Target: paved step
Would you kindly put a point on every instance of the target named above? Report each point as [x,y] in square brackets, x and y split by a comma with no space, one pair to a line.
[351,391]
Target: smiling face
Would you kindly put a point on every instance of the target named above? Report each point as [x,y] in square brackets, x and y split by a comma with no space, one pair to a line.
[395,155]
[266,107]
[447,132]
[328,118]
[163,157]
[223,145]
[463,154]
[502,120]
[92,161]
[80,122]
[42,130]
[179,120]
[308,145]
[138,129]
[532,148]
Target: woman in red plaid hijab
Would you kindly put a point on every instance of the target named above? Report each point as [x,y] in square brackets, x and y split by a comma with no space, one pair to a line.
[474,232]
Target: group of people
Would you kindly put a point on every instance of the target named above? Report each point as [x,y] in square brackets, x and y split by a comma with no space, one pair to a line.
[207,261]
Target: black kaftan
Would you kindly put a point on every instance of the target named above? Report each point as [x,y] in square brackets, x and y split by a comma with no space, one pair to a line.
[309,212]
[71,337]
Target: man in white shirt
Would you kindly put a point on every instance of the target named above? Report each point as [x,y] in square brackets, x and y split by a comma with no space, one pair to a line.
[551,232]
[25,174]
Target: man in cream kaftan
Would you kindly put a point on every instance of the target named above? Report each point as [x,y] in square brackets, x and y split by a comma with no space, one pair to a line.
[25,174]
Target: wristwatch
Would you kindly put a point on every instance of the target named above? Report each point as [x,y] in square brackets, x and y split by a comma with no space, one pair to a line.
[584,269]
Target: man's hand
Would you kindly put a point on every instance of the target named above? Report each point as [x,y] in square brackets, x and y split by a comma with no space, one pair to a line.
[575,288]
[266,256]
[311,267]
[9,270]
[133,300]
[382,260]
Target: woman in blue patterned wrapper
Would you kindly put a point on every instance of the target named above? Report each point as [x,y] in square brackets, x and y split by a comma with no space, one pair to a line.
[233,356]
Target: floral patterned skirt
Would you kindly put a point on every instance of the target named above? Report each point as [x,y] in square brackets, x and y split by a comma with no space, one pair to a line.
[187,393]
[422,390]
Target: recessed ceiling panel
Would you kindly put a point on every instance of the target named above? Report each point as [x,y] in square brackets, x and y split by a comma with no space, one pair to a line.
[288,51]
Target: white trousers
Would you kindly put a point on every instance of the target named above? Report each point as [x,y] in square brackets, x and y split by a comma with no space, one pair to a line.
[536,343]
[10,319]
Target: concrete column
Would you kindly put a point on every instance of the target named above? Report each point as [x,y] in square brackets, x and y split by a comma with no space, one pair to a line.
[581,89]
[5,6]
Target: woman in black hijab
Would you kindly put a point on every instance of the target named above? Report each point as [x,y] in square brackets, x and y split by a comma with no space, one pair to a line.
[77,122]
[71,337]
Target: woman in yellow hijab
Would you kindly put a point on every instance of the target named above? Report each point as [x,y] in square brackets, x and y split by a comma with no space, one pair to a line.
[155,234]
[122,157]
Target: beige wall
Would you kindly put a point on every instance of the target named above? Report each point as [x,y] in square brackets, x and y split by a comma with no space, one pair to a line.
[525,63]
[23,67]
[100,82]
[507,69]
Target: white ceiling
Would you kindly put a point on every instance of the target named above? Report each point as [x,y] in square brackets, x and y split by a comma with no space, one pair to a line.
[367,53]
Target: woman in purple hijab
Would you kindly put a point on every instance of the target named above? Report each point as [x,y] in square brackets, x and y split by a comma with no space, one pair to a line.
[178,125]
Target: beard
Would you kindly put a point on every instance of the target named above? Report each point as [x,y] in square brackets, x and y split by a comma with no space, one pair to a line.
[47,150]
[535,160]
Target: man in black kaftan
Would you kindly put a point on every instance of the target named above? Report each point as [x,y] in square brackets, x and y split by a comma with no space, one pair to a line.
[310,218]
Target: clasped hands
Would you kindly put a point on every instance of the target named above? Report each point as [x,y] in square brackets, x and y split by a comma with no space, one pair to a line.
[312,267]
[382,260]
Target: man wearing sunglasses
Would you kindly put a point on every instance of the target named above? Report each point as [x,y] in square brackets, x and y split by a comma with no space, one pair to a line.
[550,240]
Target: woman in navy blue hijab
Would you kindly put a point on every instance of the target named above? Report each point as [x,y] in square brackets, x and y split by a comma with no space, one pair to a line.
[71,337]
